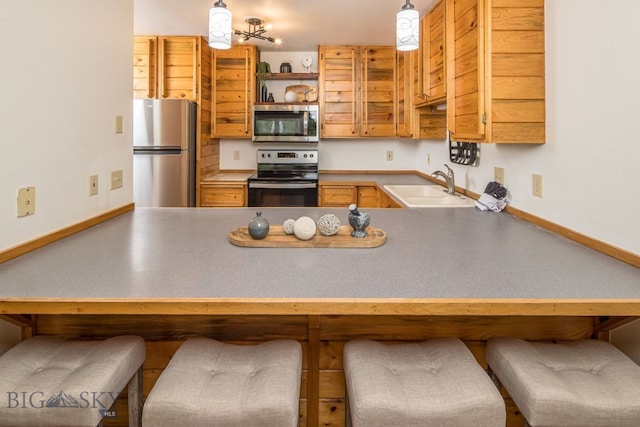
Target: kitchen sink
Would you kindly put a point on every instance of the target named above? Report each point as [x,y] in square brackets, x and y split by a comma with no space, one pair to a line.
[428,196]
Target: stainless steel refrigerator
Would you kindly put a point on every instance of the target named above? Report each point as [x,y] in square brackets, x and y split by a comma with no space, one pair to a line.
[164,153]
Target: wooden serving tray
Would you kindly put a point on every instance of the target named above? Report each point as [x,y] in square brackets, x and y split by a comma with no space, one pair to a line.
[278,239]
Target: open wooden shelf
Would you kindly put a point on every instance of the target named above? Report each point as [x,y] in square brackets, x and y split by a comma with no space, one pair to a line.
[290,76]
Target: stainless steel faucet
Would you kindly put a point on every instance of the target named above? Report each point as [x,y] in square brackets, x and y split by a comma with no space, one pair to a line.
[449,178]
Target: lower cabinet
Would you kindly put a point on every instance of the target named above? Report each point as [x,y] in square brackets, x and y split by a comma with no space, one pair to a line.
[365,196]
[385,201]
[368,197]
[337,195]
[223,195]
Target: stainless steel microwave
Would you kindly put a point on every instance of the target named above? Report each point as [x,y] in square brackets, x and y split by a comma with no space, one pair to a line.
[285,123]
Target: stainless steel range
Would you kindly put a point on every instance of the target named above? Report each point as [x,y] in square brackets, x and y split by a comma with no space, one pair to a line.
[285,178]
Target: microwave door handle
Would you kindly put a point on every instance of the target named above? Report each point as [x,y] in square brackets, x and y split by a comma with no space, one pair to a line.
[291,186]
[305,124]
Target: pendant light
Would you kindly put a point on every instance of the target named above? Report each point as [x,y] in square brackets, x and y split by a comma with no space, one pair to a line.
[407,28]
[219,26]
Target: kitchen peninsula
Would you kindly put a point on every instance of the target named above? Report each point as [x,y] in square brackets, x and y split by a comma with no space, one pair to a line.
[169,273]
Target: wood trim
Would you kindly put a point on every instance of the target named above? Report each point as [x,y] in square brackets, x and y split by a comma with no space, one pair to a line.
[39,242]
[324,306]
[370,172]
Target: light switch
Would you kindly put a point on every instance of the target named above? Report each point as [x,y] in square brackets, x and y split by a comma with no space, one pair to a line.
[118,124]
[116,179]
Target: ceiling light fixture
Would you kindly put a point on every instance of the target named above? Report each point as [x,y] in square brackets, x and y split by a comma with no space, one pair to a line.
[407,28]
[219,26]
[257,28]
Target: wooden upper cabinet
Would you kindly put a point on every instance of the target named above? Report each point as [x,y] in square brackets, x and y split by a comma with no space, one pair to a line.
[434,82]
[418,58]
[357,86]
[516,107]
[178,65]
[378,91]
[405,91]
[145,54]
[465,69]
[338,91]
[234,88]
[166,67]
[495,70]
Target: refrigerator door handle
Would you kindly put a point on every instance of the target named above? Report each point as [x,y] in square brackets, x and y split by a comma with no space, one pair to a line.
[164,151]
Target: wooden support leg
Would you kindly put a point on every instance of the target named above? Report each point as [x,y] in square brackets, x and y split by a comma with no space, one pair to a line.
[135,399]
[313,373]
[347,409]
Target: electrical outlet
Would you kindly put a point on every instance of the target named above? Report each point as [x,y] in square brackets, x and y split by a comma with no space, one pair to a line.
[116,179]
[26,201]
[498,175]
[236,154]
[537,184]
[389,155]
[93,185]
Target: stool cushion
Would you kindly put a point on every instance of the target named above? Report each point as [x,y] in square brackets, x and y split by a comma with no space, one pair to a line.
[48,381]
[209,383]
[582,383]
[437,382]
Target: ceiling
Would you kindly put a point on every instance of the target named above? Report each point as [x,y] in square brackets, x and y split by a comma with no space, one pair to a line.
[301,24]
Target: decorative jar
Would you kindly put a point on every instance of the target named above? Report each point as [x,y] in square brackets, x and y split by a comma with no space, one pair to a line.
[258,227]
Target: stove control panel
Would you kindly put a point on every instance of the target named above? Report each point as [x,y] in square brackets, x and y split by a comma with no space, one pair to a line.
[287,156]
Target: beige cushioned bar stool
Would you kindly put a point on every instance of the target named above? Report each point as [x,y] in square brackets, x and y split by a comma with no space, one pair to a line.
[210,383]
[582,383]
[437,382]
[49,381]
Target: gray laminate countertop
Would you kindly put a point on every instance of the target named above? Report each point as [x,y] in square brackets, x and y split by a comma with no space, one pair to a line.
[178,253]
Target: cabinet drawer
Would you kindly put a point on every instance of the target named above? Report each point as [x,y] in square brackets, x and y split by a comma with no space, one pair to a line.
[339,195]
[367,197]
[230,195]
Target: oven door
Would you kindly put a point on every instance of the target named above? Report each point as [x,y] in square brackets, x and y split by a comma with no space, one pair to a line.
[264,193]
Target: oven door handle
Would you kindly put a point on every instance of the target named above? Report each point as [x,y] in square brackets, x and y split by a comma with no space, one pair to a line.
[288,186]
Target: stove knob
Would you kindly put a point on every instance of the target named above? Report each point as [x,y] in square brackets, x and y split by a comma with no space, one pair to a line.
[311,155]
[305,155]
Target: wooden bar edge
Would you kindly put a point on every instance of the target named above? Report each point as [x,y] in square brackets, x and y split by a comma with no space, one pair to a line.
[324,306]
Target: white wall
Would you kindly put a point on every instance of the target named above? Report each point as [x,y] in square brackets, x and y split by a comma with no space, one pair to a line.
[65,75]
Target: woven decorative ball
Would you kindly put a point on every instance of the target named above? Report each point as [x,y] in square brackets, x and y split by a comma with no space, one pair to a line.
[305,228]
[288,225]
[328,224]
